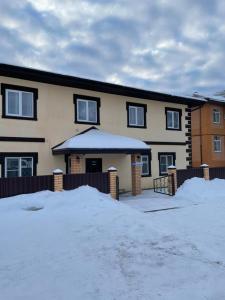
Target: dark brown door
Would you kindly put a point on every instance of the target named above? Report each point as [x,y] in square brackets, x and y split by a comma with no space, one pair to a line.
[93,165]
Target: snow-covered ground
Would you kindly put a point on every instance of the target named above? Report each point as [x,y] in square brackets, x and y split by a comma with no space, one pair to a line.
[81,244]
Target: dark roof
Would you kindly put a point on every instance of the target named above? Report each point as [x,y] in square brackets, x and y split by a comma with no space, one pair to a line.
[92,85]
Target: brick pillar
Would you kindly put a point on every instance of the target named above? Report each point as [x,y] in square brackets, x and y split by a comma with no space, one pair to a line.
[58,180]
[172,183]
[136,174]
[76,164]
[205,168]
[112,182]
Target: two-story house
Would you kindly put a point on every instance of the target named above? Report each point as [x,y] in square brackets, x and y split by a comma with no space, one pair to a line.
[208,132]
[47,122]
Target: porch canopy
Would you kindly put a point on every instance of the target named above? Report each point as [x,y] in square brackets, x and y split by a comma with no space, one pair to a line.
[94,140]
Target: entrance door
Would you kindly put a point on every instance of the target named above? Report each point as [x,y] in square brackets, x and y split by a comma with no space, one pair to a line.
[93,165]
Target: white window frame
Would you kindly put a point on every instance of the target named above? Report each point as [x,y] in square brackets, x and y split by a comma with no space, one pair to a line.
[173,123]
[217,140]
[165,155]
[86,101]
[216,113]
[148,173]
[20,114]
[20,163]
[136,116]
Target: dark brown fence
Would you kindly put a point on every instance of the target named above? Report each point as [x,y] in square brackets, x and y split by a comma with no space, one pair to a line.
[98,180]
[217,173]
[185,174]
[25,185]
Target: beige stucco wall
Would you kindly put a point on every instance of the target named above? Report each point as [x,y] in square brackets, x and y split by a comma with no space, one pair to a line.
[55,111]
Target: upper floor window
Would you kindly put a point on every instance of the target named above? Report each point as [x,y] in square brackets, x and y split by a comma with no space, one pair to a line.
[136,115]
[216,116]
[173,118]
[19,102]
[146,165]
[217,144]
[86,109]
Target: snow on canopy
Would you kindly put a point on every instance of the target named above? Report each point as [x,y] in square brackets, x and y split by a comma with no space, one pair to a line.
[95,138]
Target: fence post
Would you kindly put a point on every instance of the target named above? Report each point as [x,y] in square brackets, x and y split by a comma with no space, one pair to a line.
[172,184]
[57,180]
[205,168]
[136,174]
[112,173]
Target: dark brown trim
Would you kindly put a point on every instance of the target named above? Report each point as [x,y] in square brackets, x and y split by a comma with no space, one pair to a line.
[93,85]
[83,97]
[144,106]
[99,151]
[165,143]
[21,139]
[5,87]
[167,109]
[189,138]
[34,155]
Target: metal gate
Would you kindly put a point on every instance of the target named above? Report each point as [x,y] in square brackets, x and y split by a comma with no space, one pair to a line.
[164,185]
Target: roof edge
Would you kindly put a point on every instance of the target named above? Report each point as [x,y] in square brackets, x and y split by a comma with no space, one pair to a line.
[100,151]
[89,84]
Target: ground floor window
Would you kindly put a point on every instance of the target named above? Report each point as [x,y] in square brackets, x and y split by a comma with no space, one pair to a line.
[146,165]
[166,160]
[18,164]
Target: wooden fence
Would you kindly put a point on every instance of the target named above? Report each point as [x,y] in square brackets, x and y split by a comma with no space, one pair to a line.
[217,173]
[185,174]
[25,185]
[98,180]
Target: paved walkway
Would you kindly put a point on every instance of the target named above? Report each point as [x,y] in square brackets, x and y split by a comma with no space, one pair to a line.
[149,201]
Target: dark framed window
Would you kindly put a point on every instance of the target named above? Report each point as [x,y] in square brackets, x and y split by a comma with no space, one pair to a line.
[216,116]
[146,165]
[87,109]
[173,118]
[136,115]
[19,102]
[217,145]
[18,164]
[166,159]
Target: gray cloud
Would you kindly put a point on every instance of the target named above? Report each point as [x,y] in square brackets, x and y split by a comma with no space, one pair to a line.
[172,46]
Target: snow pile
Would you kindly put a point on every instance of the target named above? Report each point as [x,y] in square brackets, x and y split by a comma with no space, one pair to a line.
[95,138]
[201,189]
[82,244]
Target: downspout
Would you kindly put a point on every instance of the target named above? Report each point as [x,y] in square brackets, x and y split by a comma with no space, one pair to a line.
[201,136]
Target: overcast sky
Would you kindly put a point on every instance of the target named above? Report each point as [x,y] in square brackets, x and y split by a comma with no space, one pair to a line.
[175,46]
